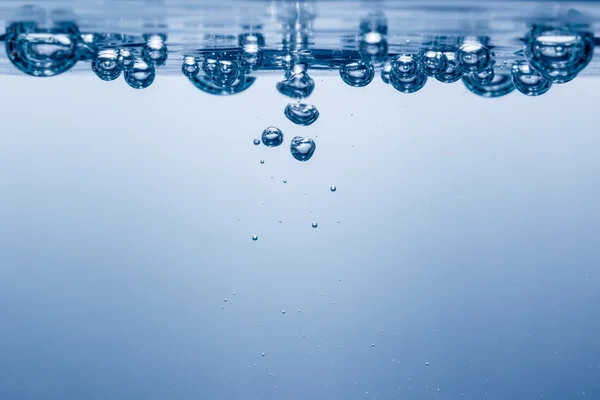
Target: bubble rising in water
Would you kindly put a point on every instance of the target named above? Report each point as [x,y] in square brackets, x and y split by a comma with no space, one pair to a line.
[315,225]
[256,141]
[301,114]
[298,84]
[40,51]
[106,65]
[560,53]
[501,85]
[140,76]
[473,57]
[272,137]
[254,237]
[302,148]
[528,81]
[452,73]
[357,74]
[433,62]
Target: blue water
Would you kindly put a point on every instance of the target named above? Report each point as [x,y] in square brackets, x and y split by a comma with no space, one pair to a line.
[419,239]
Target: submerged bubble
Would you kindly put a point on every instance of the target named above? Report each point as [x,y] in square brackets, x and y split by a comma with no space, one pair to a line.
[333,188]
[404,66]
[302,148]
[106,65]
[204,83]
[501,85]
[386,70]
[357,74]
[315,225]
[41,51]
[301,114]
[126,59]
[226,73]
[473,57]
[190,67]
[527,81]
[254,237]
[155,51]
[452,73]
[558,53]
[409,84]
[272,137]
[298,84]
[262,161]
[433,62]
[140,76]
[283,311]
[251,57]
[256,141]
[484,77]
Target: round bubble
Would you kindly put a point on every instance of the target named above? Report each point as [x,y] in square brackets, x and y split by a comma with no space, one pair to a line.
[433,62]
[106,65]
[38,51]
[225,73]
[155,52]
[251,58]
[452,73]
[473,57]
[140,76]
[272,137]
[357,74]
[126,59]
[302,148]
[409,84]
[386,71]
[501,85]
[405,66]
[558,53]
[527,81]
[190,67]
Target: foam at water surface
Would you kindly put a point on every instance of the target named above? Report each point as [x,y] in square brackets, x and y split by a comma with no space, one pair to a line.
[221,46]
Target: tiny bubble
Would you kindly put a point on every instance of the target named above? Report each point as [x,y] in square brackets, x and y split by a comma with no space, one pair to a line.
[333,188]
[255,238]
[256,141]
[262,161]
[314,224]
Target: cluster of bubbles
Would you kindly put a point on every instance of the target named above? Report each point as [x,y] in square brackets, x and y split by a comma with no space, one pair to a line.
[554,51]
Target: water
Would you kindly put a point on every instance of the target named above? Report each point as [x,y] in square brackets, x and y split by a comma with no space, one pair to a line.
[465,226]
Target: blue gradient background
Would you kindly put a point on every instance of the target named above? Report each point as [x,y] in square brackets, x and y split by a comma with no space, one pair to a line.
[468,239]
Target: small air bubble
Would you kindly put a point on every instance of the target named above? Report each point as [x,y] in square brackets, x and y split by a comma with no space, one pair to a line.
[255,238]
[333,188]
[314,225]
